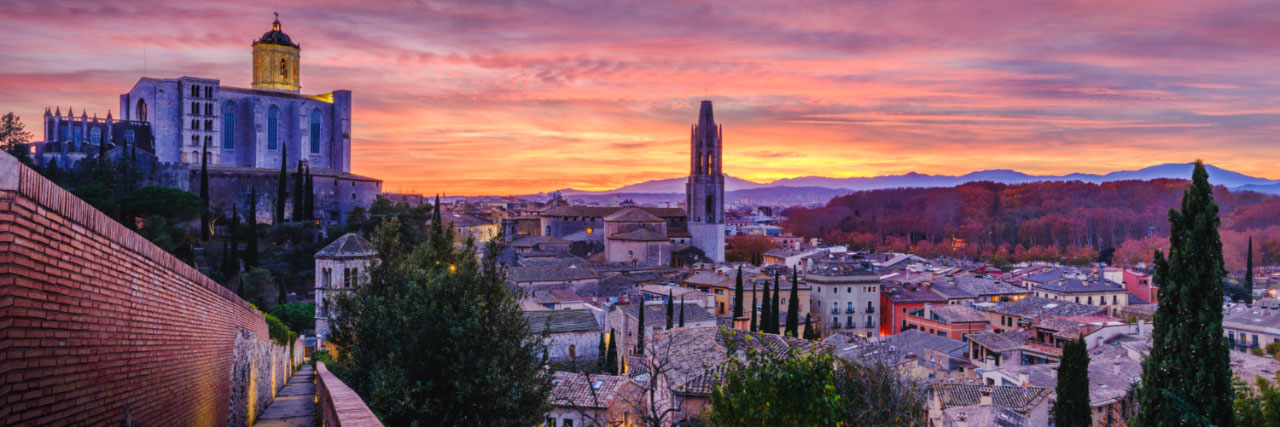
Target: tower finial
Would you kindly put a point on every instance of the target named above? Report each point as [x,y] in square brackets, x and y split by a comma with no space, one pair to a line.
[275,25]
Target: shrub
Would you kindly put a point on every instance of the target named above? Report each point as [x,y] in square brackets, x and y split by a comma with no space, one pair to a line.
[299,317]
[280,333]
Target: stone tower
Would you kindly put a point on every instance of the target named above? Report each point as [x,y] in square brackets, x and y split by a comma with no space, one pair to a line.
[275,61]
[705,190]
[351,256]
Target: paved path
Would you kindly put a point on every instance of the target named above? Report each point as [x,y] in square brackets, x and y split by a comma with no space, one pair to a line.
[295,404]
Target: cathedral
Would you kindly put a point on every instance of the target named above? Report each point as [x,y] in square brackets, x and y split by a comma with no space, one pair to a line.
[249,132]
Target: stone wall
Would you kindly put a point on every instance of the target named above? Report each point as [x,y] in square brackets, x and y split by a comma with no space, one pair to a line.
[98,325]
[338,405]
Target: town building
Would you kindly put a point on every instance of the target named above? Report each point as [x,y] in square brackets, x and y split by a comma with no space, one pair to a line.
[1022,313]
[896,299]
[956,321]
[579,400]
[845,295]
[637,237]
[1250,326]
[1086,290]
[340,268]
[964,402]
[573,335]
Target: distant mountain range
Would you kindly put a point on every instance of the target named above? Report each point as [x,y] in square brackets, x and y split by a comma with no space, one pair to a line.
[817,187]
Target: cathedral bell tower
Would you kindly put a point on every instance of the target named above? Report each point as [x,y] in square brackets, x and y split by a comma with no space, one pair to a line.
[275,61]
[705,190]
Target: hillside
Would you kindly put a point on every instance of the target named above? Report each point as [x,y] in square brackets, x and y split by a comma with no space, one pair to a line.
[1040,220]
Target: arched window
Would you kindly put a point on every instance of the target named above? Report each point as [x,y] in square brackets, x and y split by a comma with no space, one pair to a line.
[711,210]
[272,127]
[128,136]
[208,109]
[208,92]
[142,110]
[95,136]
[228,126]
[195,108]
[78,136]
[284,69]
[315,131]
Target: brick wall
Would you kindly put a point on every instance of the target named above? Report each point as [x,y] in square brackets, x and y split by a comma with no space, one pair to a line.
[338,405]
[97,325]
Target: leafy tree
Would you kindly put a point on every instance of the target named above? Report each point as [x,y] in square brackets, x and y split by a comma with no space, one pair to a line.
[792,389]
[300,317]
[1186,379]
[257,286]
[737,295]
[13,133]
[793,307]
[471,358]
[1247,405]
[876,394]
[1072,408]
[99,195]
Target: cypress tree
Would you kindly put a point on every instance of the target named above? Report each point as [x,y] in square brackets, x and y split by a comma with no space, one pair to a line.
[1186,378]
[1072,408]
[251,254]
[438,241]
[602,355]
[309,203]
[765,304]
[775,312]
[283,182]
[1248,274]
[681,312]
[671,311]
[737,296]
[640,329]
[611,359]
[808,327]
[226,262]
[204,191]
[753,313]
[297,193]
[793,307]
[102,156]
[235,239]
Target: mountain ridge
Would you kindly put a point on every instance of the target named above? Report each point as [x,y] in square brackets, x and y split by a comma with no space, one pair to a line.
[1217,176]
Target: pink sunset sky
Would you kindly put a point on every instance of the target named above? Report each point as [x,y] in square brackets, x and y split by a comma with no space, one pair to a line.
[519,97]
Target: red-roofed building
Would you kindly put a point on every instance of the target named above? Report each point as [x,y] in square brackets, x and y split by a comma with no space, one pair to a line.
[897,299]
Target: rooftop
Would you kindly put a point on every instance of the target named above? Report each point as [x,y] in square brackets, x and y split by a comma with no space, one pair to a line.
[574,390]
[350,245]
[1031,307]
[550,273]
[1019,399]
[557,321]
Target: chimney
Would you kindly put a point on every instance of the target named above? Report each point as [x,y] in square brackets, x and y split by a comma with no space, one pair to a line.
[991,363]
[962,420]
[984,396]
[1115,369]
[1023,378]
[1141,324]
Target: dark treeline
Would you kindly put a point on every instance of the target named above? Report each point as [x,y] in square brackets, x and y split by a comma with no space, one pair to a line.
[1045,220]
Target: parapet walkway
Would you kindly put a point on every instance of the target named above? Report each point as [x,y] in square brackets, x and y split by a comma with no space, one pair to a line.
[295,404]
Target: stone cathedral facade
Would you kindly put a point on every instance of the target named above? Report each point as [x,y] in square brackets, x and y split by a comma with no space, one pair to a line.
[704,192]
[248,132]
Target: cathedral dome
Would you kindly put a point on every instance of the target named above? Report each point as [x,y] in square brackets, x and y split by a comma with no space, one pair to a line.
[275,36]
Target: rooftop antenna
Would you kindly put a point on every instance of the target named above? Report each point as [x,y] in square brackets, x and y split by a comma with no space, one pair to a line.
[144,62]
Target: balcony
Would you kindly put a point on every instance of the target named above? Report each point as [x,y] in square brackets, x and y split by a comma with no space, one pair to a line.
[871,324]
[871,310]
[850,310]
[835,310]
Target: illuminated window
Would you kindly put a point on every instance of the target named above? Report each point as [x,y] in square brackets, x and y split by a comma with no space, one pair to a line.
[272,127]
[142,110]
[315,131]
[284,70]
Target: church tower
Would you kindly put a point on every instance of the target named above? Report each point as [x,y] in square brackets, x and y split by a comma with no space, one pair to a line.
[275,61]
[705,190]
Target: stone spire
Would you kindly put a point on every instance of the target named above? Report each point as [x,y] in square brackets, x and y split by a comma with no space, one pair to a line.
[704,192]
[46,112]
[59,112]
